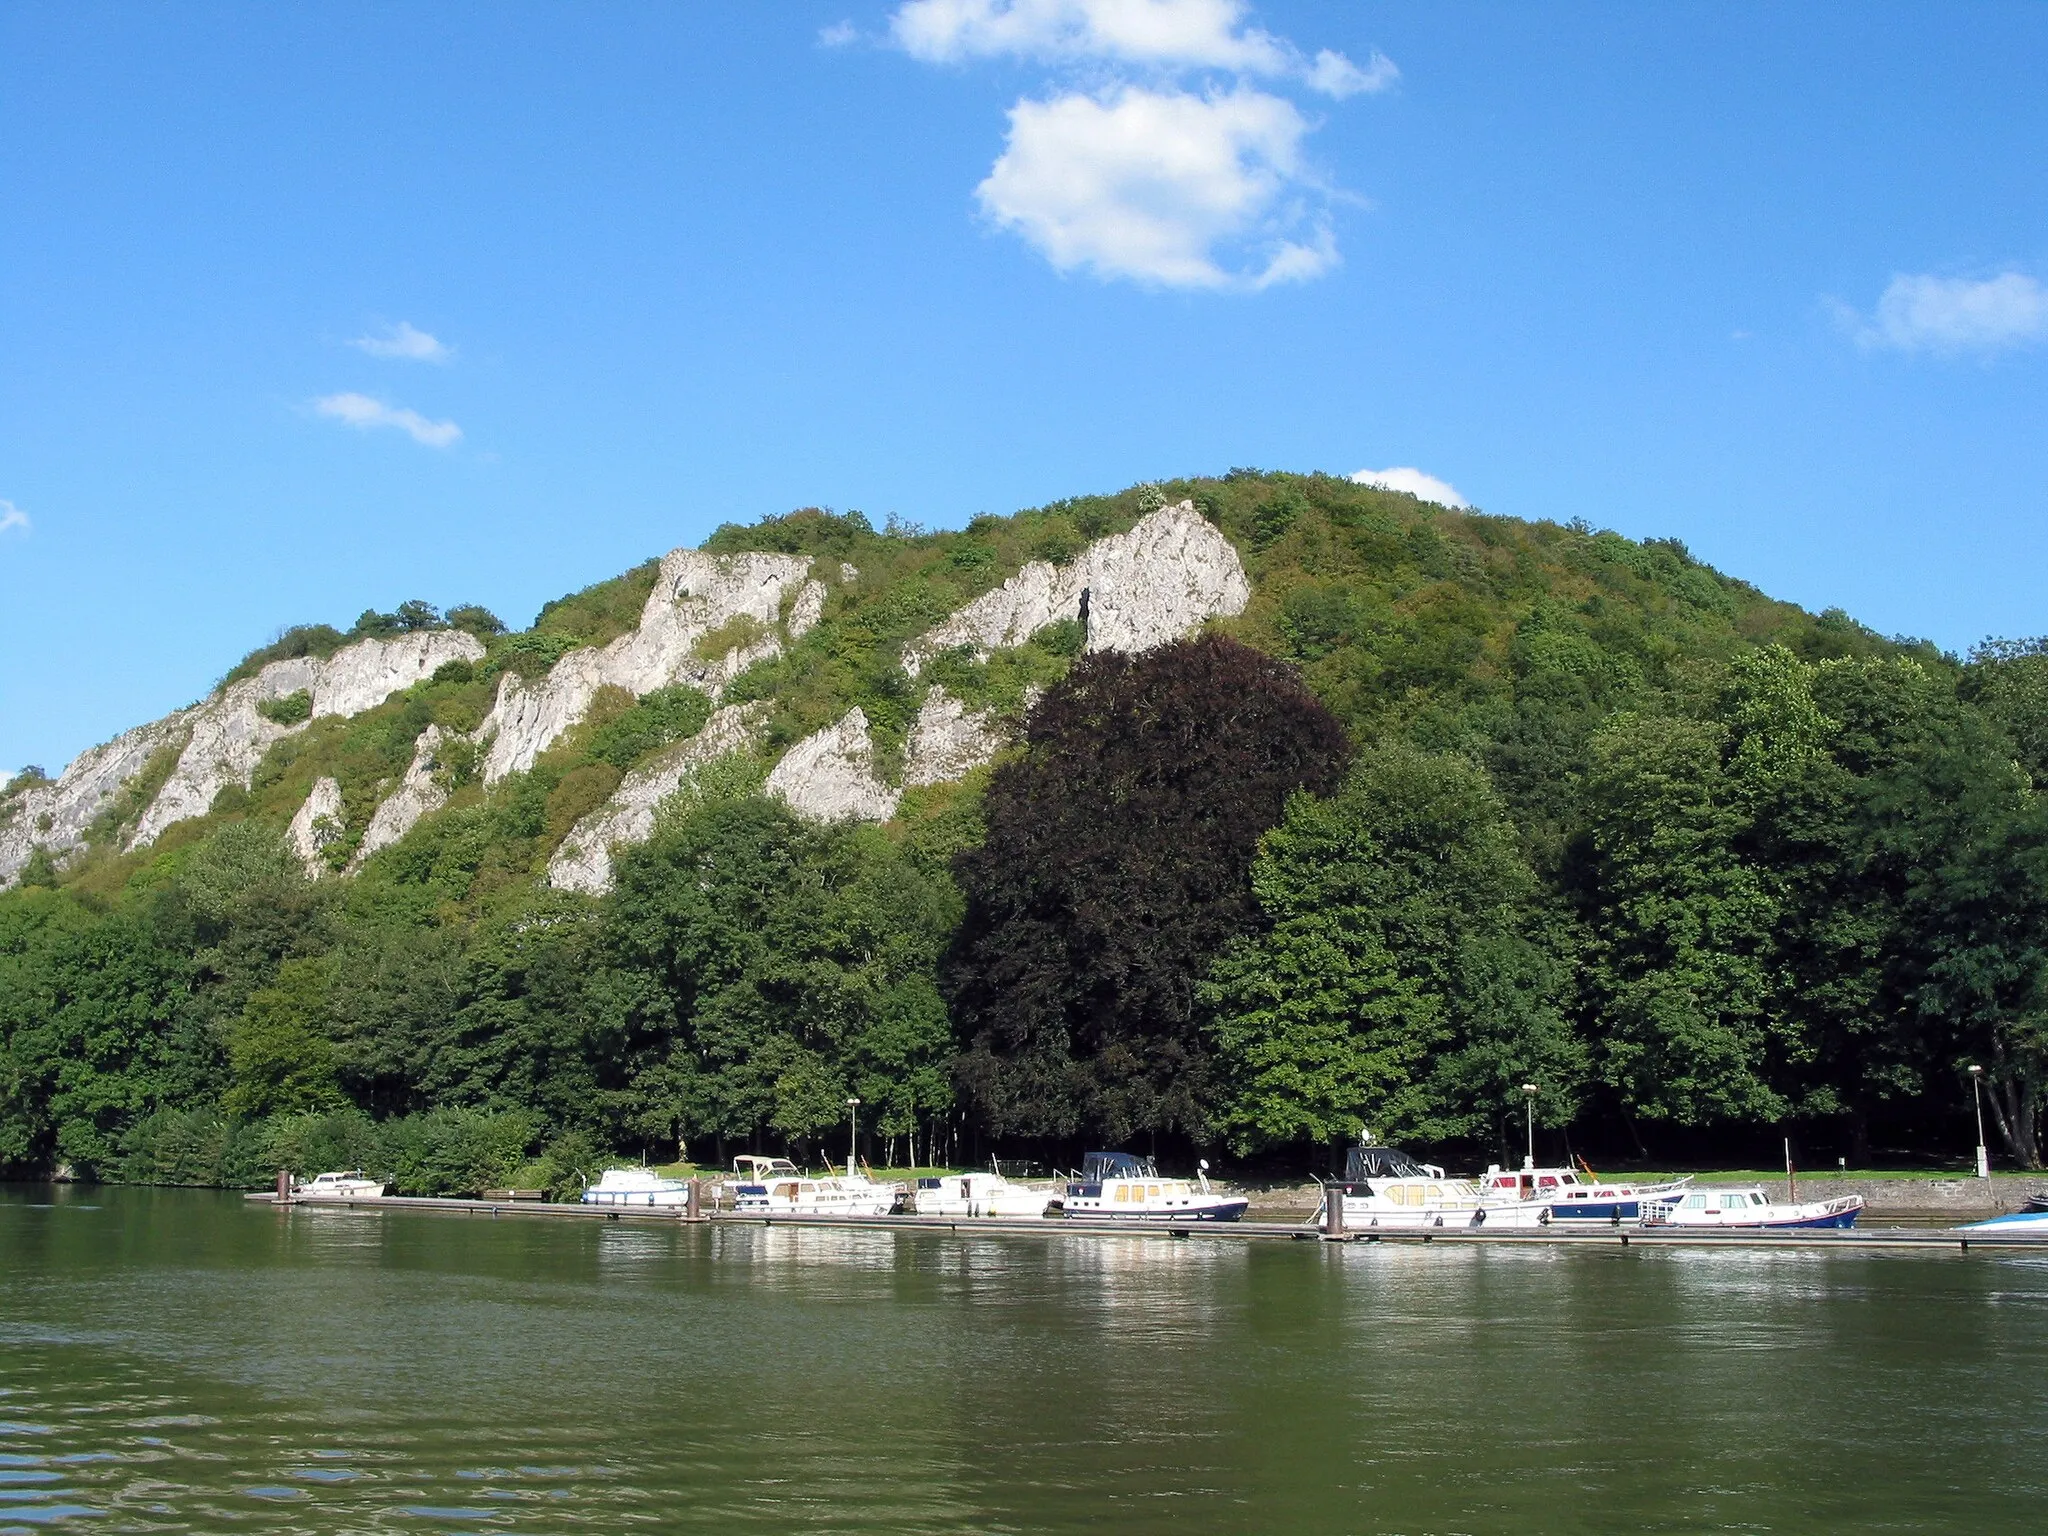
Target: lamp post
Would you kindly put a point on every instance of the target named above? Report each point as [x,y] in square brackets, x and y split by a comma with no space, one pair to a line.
[1529,1122]
[1977,1095]
[852,1133]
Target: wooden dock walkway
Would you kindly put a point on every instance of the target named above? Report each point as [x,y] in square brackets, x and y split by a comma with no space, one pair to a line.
[1806,1241]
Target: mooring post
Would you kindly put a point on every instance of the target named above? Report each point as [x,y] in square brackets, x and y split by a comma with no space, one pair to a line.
[693,1201]
[1333,1210]
[284,1186]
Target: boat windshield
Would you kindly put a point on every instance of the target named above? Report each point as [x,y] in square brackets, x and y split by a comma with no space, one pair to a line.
[1097,1166]
[1380,1163]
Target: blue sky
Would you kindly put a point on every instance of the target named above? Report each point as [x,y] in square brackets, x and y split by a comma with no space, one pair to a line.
[306,309]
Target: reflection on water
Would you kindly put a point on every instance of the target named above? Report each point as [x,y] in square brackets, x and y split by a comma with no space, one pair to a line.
[177,1361]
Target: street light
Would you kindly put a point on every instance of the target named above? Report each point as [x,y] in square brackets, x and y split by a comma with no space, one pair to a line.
[1977,1094]
[1529,1122]
[852,1133]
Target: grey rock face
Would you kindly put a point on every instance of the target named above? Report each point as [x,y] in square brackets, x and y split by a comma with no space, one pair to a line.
[318,823]
[695,595]
[584,861]
[221,740]
[947,741]
[55,816]
[1162,580]
[418,794]
[229,737]
[830,776]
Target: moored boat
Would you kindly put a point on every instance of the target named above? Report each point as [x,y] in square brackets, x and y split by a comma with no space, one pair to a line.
[1575,1196]
[2031,1222]
[977,1195]
[636,1187]
[351,1185]
[1385,1189]
[1749,1209]
[787,1192]
[1122,1186]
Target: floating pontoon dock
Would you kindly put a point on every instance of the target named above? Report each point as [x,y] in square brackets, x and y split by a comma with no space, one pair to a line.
[1812,1240]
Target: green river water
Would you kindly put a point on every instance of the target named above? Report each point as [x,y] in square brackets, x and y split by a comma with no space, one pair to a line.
[186,1361]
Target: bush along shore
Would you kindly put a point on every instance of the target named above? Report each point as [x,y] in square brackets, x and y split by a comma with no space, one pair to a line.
[1417,807]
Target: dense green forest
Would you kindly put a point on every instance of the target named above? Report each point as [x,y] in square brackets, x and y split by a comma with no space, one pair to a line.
[1458,803]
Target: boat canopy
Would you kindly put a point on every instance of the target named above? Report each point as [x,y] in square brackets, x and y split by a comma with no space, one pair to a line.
[1381,1163]
[1097,1166]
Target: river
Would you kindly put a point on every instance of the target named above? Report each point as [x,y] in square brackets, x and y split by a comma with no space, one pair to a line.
[178,1360]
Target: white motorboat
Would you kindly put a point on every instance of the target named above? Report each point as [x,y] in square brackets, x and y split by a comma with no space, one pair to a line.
[1574,1196]
[637,1187]
[1121,1186]
[784,1191]
[352,1185]
[977,1195]
[1385,1189]
[1750,1208]
[2030,1222]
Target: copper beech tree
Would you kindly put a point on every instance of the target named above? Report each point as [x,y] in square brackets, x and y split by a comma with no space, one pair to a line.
[1116,866]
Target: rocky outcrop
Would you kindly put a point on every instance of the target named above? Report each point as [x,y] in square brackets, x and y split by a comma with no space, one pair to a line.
[831,776]
[948,741]
[584,861]
[319,822]
[56,816]
[694,596]
[418,794]
[229,736]
[1160,581]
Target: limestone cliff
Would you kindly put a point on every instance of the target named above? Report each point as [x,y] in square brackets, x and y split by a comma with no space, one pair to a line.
[695,596]
[830,776]
[220,740]
[1163,579]
[418,794]
[318,823]
[584,861]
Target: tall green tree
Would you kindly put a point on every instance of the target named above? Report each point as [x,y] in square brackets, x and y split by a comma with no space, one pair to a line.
[1402,984]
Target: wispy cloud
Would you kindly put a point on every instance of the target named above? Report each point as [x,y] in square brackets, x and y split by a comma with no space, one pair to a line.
[12,518]
[1165,187]
[1919,312]
[365,412]
[1151,34]
[840,34]
[1416,483]
[405,340]
[1155,158]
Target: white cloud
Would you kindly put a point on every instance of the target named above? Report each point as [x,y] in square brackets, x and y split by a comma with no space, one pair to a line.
[12,518]
[1335,75]
[1162,186]
[838,35]
[364,412]
[1153,34]
[1924,313]
[406,341]
[1408,478]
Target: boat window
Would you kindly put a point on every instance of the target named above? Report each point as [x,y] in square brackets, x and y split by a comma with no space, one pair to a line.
[1436,1192]
[1546,1182]
[1695,1202]
[1152,1190]
[1123,1192]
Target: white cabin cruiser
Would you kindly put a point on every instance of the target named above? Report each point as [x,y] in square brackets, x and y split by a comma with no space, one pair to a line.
[784,1191]
[352,1185]
[1575,1196]
[977,1195]
[1121,1186]
[638,1187]
[1385,1189]
[1750,1208]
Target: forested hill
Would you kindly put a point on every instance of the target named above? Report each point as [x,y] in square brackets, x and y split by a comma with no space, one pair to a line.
[1234,814]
